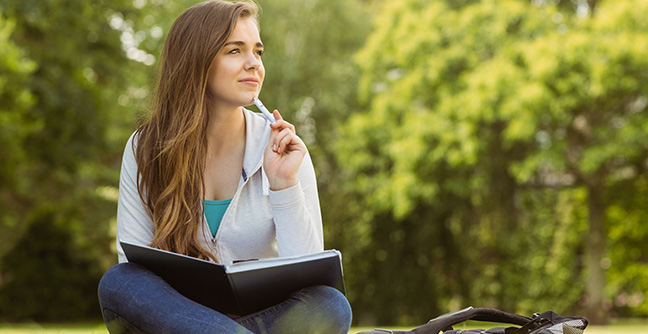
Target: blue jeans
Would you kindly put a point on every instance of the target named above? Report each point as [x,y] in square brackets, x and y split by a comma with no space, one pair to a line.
[134,300]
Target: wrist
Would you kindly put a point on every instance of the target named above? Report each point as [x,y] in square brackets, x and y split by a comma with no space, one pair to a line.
[280,184]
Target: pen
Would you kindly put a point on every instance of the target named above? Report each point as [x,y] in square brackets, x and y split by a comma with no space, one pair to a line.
[264,110]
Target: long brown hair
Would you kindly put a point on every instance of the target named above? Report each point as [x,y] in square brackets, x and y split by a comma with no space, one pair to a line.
[172,145]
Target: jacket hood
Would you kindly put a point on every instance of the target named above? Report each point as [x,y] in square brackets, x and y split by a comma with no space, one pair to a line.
[257,133]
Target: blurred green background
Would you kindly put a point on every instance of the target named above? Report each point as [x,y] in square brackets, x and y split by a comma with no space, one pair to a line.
[489,153]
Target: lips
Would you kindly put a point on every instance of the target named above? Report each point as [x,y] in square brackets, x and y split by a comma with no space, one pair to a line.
[250,81]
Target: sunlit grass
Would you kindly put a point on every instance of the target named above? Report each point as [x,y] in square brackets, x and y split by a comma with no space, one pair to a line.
[635,326]
[35,328]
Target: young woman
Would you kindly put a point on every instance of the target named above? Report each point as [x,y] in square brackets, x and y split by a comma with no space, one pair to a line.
[206,177]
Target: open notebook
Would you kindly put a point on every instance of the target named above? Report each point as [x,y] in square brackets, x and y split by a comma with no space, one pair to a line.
[242,287]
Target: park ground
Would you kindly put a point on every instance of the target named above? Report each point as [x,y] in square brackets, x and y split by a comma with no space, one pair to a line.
[633,326]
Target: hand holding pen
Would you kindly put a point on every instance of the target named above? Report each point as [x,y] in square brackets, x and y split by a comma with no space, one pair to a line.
[285,151]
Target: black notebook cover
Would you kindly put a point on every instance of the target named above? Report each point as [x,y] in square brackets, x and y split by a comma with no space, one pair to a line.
[244,287]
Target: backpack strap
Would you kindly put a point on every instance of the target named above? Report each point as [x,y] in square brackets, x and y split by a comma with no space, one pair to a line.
[446,321]
[542,322]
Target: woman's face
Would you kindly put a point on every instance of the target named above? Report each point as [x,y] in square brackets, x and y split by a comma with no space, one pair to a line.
[237,72]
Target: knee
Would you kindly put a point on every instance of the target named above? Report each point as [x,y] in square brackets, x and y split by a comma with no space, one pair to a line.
[111,290]
[114,282]
[333,305]
[315,310]
[112,277]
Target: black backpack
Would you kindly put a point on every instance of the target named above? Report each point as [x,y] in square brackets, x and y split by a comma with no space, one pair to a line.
[544,323]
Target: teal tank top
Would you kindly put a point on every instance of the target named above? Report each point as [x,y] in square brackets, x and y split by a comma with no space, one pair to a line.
[214,212]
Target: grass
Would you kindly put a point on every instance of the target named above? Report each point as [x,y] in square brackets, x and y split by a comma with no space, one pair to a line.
[36,328]
[639,326]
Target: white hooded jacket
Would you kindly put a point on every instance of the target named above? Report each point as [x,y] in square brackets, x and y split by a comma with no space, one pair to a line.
[259,222]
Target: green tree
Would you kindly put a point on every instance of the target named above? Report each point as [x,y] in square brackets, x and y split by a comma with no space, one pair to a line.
[627,249]
[15,101]
[581,109]
[59,120]
[501,126]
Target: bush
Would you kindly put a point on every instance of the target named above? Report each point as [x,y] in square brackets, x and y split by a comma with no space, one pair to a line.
[47,277]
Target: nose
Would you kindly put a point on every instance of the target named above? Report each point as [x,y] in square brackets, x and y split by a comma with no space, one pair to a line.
[252,61]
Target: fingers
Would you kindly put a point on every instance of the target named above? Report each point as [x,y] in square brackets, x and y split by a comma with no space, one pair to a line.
[280,123]
[283,137]
[285,141]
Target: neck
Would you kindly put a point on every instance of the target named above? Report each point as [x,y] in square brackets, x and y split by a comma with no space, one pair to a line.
[226,131]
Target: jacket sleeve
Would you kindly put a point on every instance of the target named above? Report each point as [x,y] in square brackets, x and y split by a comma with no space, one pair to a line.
[133,221]
[297,216]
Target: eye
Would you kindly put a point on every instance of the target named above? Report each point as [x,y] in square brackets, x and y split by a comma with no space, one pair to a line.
[259,52]
[234,51]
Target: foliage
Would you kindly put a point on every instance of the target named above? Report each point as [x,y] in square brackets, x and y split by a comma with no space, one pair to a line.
[480,118]
[628,250]
[15,101]
[66,69]
[48,277]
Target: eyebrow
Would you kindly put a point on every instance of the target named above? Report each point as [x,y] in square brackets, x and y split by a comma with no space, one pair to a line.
[239,43]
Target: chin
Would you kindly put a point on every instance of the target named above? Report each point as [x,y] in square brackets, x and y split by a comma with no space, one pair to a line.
[247,101]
